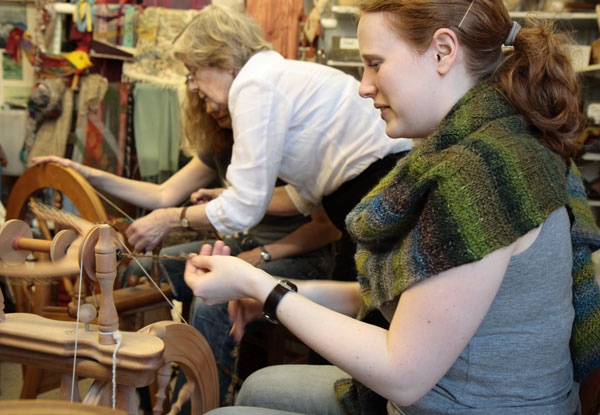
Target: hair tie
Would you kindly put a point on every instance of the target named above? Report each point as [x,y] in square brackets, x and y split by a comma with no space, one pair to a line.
[512,35]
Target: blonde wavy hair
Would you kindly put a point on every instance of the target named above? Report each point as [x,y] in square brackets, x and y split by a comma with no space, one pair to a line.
[218,37]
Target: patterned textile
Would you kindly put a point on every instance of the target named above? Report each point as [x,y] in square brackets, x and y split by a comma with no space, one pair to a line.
[115,24]
[50,137]
[122,140]
[474,186]
[97,129]
[129,155]
[156,30]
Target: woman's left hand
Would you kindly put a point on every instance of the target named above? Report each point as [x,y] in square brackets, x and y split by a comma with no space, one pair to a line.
[216,277]
[252,257]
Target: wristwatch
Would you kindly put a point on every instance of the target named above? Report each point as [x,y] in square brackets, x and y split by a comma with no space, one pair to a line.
[182,219]
[264,254]
[270,307]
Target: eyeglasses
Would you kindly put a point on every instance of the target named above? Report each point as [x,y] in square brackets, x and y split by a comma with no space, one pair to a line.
[189,77]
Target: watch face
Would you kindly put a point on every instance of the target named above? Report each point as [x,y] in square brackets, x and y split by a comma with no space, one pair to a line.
[265,256]
[185,223]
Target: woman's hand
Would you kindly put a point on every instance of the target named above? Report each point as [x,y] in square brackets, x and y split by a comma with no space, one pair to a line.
[217,278]
[147,232]
[80,168]
[242,312]
[252,256]
[205,195]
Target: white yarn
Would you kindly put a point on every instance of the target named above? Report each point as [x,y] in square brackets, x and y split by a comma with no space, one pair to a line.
[77,327]
[118,337]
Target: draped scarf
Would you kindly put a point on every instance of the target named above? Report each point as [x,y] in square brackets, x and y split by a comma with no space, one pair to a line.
[477,184]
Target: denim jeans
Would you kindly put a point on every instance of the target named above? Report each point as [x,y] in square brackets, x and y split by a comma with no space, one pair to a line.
[288,389]
[213,321]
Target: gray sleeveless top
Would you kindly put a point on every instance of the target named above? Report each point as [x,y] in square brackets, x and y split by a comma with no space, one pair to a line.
[518,361]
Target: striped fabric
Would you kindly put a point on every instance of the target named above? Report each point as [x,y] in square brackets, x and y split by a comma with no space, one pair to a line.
[476,185]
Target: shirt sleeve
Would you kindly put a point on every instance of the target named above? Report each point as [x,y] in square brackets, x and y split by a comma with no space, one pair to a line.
[304,206]
[260,118]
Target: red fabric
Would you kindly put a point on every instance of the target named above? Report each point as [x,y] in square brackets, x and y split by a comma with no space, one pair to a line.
[280,21]
[93,143]
[123,98]
[13,43]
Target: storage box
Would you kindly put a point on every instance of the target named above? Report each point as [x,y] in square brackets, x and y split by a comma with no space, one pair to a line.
[344,49]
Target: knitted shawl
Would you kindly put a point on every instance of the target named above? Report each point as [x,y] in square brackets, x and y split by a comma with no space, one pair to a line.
[475,185]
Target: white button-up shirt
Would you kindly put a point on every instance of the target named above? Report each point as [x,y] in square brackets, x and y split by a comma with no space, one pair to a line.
[302,122]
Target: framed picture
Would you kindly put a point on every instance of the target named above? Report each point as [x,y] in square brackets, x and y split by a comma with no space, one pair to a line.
[16,78]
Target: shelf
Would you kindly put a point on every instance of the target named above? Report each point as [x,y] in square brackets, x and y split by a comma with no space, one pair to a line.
[555,16]
[591,156]
[344,9]
[345,64]
[515,15]
[594,203]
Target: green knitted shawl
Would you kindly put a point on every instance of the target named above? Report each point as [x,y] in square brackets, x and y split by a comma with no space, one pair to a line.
[475,185]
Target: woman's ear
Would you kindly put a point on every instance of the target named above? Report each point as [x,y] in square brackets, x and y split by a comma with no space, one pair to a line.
[444,47]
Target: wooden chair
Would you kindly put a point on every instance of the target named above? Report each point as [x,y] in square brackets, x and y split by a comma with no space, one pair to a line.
[141,356]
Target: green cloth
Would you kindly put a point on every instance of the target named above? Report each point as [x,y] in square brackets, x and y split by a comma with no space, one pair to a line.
[157,130]
[475,185]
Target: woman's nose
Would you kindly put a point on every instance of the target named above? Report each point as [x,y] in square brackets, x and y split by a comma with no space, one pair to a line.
[367,88]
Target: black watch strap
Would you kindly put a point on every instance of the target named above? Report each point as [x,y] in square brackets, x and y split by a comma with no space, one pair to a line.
[270,307]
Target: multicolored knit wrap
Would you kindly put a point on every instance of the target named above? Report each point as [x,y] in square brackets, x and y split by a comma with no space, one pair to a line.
[477,184]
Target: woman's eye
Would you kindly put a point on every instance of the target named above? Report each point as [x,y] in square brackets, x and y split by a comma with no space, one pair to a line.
[374,64]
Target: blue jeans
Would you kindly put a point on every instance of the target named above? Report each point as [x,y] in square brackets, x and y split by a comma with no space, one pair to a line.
[288,389]
[213,321]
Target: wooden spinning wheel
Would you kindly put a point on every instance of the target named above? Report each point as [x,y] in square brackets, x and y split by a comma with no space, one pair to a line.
[137,306]
[125,360]
[66,181]
[55,184]
[35,183]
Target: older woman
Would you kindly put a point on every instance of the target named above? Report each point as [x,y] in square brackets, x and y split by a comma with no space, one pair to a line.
[297,121]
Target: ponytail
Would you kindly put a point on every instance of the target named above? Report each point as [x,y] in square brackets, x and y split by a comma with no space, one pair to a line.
[539,81]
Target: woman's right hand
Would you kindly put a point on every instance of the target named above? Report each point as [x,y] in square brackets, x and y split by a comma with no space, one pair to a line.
[216,277]
[205,195]
[80,168]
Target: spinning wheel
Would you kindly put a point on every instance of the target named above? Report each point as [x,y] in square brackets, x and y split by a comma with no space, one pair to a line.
[137,306]
[134,357]
[66,181]
[56,184]
[35,183]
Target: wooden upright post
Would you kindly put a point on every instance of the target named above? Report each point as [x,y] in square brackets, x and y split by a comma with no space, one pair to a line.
[106,272]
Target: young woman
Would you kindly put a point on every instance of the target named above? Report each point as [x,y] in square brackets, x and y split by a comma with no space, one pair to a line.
[476,247]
